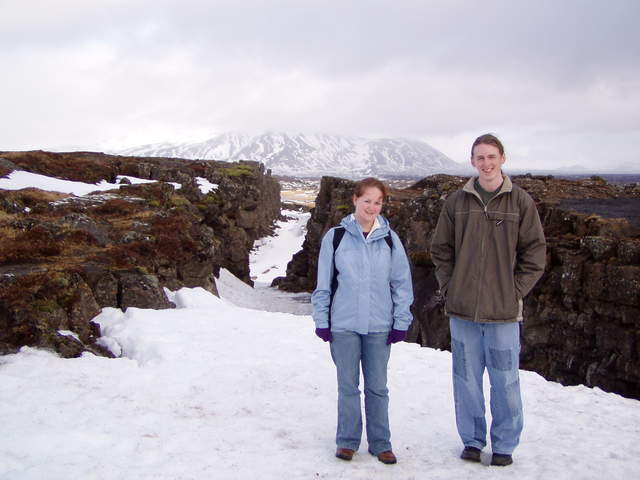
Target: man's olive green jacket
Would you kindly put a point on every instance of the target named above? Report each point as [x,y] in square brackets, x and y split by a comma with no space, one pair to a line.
[489,257]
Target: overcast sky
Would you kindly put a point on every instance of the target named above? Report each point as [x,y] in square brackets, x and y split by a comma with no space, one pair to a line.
[557,80]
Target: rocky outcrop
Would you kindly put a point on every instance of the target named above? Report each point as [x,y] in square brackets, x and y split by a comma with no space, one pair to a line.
[64,257]
[332,203]
[582,320]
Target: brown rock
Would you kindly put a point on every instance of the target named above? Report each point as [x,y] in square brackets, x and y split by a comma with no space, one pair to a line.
[581,320]
[64,257]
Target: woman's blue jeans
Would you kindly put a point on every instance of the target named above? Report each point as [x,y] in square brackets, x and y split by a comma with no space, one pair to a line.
[496,347]
[349,350]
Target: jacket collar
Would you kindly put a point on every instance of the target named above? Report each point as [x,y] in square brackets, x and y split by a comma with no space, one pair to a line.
[380,227]
[507,186]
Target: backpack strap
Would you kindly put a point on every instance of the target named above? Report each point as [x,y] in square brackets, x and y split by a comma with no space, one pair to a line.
[389,240]
[338,233]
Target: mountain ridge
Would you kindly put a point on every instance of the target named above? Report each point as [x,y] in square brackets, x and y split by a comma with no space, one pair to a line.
[302,154]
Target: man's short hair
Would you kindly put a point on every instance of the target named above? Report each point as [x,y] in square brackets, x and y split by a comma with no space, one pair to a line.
[488,139]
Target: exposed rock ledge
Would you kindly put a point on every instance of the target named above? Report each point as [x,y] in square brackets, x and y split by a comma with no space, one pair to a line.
[64,257]
[582,320]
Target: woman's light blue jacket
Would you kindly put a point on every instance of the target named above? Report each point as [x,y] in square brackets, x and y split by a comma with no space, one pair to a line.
[374,282]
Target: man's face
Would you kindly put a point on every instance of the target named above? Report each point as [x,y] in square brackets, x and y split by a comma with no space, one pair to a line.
[488,161]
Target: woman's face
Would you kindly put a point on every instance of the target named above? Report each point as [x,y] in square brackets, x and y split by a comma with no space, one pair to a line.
[368,206]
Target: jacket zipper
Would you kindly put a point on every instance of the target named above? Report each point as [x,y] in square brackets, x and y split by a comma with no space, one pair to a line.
[482,260]
[483,256]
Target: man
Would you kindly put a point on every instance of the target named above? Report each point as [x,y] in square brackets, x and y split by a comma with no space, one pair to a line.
[489,251]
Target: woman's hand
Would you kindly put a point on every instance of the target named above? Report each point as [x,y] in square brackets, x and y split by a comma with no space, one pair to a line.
[324,334]
[396,336]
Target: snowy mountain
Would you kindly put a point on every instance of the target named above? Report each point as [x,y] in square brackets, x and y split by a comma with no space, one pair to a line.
[313,155]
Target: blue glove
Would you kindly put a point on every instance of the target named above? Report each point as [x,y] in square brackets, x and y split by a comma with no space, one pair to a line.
[396,336]
[324,334]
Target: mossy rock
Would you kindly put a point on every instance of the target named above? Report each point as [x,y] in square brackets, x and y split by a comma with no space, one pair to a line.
[179,201]
[237,170]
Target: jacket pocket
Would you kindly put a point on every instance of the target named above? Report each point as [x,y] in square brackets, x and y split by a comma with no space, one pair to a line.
[502,304]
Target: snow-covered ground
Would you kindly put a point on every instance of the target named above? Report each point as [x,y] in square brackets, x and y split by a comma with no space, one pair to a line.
[271,254]
[267,261]
[220,391]
[20,179]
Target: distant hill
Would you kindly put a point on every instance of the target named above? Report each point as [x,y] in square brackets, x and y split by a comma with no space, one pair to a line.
[313,155]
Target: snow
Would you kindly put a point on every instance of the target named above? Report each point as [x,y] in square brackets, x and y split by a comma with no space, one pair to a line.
[310,154]
[271,254]
[261,297]
[19,179]
[267,261]
[212,389]
[205,185]
[69,333]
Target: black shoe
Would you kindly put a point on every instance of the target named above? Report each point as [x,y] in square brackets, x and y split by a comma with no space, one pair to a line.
[501,460]
[471,454]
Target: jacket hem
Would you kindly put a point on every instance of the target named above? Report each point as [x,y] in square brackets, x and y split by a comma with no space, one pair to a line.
[482,320]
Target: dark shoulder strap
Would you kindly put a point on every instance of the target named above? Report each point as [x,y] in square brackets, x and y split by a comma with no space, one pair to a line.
[338,233]
[389,240]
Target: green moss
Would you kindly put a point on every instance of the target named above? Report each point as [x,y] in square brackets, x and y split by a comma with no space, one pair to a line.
[344,208]
[58,281]
[237,170]
[211,198]
[179,201]
[46,305]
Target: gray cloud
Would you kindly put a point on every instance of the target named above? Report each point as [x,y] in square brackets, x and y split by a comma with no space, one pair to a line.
[559,80]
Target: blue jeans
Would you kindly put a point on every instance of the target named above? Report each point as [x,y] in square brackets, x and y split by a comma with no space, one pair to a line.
[349,350]
[496,347]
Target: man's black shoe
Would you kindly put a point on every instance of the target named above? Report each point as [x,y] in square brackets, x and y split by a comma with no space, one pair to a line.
[471,454]
[501,460]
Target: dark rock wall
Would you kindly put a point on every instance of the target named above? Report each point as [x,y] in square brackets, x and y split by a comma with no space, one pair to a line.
[582,320]
[63,258]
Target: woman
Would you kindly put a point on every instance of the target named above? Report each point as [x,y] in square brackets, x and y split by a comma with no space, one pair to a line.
[363,315]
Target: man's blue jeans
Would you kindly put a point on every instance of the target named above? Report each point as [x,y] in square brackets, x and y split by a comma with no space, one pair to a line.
[349,350]
[495,346]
